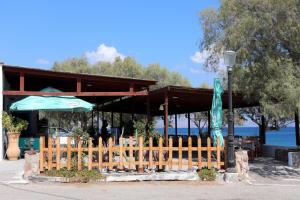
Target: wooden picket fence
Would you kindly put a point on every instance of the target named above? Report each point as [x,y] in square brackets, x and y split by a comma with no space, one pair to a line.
[135,159]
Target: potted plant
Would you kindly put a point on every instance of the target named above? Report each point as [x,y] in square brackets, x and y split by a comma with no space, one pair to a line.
[13,126]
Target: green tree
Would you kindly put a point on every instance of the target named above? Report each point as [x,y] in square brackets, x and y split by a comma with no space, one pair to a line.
[265,35]
[127,67]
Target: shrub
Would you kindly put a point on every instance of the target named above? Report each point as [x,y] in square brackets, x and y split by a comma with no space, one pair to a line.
[82,176]
[12,124]
[207,174]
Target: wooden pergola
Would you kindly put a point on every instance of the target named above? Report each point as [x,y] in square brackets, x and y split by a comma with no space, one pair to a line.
[117,94]
[173,100]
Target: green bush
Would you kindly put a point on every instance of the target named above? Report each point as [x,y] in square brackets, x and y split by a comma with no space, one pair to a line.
[82,176]
[207,174]
[12,124]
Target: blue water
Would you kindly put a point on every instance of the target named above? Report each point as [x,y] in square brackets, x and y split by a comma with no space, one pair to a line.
[283,137]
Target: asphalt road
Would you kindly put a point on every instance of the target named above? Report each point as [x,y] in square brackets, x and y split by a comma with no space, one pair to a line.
[150,190]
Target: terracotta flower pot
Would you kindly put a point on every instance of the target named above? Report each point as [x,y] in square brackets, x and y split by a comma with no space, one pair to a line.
[13,150]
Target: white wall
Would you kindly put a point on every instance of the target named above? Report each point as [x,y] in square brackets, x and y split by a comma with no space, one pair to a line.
[1,110]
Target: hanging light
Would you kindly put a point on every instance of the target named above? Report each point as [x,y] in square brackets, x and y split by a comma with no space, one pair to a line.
[161,107]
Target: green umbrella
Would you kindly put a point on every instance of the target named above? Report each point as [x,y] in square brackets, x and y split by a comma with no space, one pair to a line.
[52,103]
[216,113]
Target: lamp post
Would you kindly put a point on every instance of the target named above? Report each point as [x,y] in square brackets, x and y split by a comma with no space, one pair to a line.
[229,60]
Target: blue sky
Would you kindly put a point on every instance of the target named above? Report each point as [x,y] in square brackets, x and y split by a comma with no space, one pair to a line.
[37,33]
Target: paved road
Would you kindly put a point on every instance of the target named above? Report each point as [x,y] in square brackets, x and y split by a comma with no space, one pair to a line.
[269,180]
[149,190]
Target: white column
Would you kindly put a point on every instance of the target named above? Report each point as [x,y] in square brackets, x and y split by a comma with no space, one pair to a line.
[1,110]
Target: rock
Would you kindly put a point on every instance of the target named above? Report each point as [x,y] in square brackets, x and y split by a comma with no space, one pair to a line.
[294,159]
[231,177]
[31,165]
[162,176]
[242,167]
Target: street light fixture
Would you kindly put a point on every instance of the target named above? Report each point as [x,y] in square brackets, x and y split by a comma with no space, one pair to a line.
[229,60]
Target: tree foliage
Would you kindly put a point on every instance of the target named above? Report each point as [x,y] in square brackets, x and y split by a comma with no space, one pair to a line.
[265,35]
[127,67]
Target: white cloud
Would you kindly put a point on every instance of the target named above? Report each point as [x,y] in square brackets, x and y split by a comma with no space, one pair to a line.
[200,57]
[103,53]
[42,61]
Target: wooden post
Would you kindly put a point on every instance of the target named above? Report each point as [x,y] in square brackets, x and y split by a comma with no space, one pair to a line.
[90,154]
[57,146]
[160,153]
[190,156]
[170,153]
[150,153]
[148,110]
[79,154]
[297,131]
[176,131]
[189,124]
[141,167]
[131,158]
[121,153]
[78,85]
[208,153]
[69,158]
[199,148]
[180,153]
[50,153]
[110,154]
[166,118]
[22,82]
[218,154]
[42,146]
[100,153]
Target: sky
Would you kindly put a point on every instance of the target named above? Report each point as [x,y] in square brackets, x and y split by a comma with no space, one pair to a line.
[38,33]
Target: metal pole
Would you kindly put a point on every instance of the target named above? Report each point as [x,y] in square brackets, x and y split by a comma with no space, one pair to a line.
[176,133]
[208,123]
[98,129]
[166,119]
[297,132]
[230,153]
[189,124]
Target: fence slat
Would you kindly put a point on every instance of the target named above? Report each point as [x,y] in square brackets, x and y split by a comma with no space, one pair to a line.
[160,153]
[141,168]
[42,146]
[170,152]
[190,156]
[69,158]
[150,153]
[130,153]
[79,154]
[121,153]
[110,154]
[50,153]
[90,154]
[57,146]
[199,153]
[208,153]
[180,153]
[218,153]
[100,153]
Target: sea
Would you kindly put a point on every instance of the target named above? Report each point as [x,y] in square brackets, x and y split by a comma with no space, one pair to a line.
[282,137]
